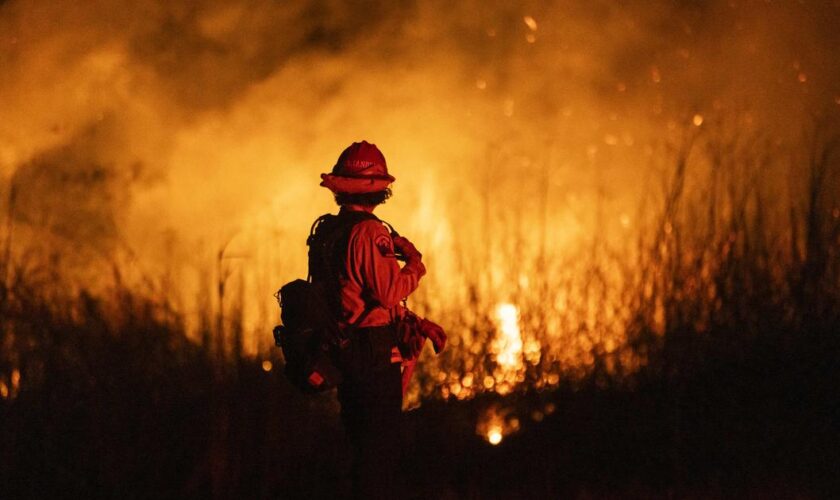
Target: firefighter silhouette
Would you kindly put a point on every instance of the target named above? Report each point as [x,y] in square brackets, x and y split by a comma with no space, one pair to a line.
[366,284]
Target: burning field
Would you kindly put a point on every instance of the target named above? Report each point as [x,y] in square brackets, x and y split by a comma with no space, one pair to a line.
[629,212]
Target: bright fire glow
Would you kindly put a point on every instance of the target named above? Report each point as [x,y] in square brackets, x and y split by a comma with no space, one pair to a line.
[509,342]
[507,347]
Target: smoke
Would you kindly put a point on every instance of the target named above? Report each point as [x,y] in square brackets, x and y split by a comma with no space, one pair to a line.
[155,133]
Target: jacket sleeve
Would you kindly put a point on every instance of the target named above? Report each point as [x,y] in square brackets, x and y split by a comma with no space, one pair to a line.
[373,264]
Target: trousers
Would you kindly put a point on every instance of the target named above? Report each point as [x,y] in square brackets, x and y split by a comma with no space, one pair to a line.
[371,411]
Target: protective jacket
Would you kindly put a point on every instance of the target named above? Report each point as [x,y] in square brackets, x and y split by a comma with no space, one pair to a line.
[368,275]
[374,276]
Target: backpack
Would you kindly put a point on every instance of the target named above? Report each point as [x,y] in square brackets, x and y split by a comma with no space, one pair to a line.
[310,336]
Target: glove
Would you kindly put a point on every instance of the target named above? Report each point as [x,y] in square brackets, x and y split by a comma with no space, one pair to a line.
[435,333]
[406,248]
[410,336]
[416,346]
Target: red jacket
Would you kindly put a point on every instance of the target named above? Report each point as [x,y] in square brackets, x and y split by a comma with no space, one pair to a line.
[373,274]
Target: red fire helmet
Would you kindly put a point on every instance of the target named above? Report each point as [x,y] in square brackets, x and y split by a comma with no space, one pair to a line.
[360,168]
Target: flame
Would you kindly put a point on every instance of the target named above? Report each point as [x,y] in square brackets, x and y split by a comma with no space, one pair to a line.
[509,344]
[507,347]
[12,389]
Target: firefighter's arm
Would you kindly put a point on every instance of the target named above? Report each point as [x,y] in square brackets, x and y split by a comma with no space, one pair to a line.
[372,252]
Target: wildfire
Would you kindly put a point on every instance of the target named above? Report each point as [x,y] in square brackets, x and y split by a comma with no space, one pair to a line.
[505,186]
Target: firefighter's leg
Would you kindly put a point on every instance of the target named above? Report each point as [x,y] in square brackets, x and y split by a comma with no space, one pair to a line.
[371,402]
[379,450]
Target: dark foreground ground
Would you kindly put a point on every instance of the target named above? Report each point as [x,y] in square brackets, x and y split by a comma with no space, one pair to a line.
[148,416]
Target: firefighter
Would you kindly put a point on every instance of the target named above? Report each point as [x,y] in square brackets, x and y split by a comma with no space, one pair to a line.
[367,291]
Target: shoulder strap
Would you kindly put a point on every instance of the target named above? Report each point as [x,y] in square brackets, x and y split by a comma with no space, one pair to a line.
[310,240]
[326,232]
[394,232]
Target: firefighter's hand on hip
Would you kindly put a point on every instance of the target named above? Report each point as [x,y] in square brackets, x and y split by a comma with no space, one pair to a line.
[407,248]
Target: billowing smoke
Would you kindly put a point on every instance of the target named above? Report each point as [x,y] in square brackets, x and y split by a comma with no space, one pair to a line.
[153,135]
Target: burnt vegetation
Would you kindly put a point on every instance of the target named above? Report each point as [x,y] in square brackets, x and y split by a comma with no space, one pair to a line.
[725,383]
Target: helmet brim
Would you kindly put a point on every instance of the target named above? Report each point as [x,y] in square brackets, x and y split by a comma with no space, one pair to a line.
[356,185]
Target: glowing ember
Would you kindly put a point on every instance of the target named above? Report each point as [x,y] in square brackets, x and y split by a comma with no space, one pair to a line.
[508,107]
[624,220]
[698,120]
[530,22]
[266,366]
[495,424]
[655,75]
